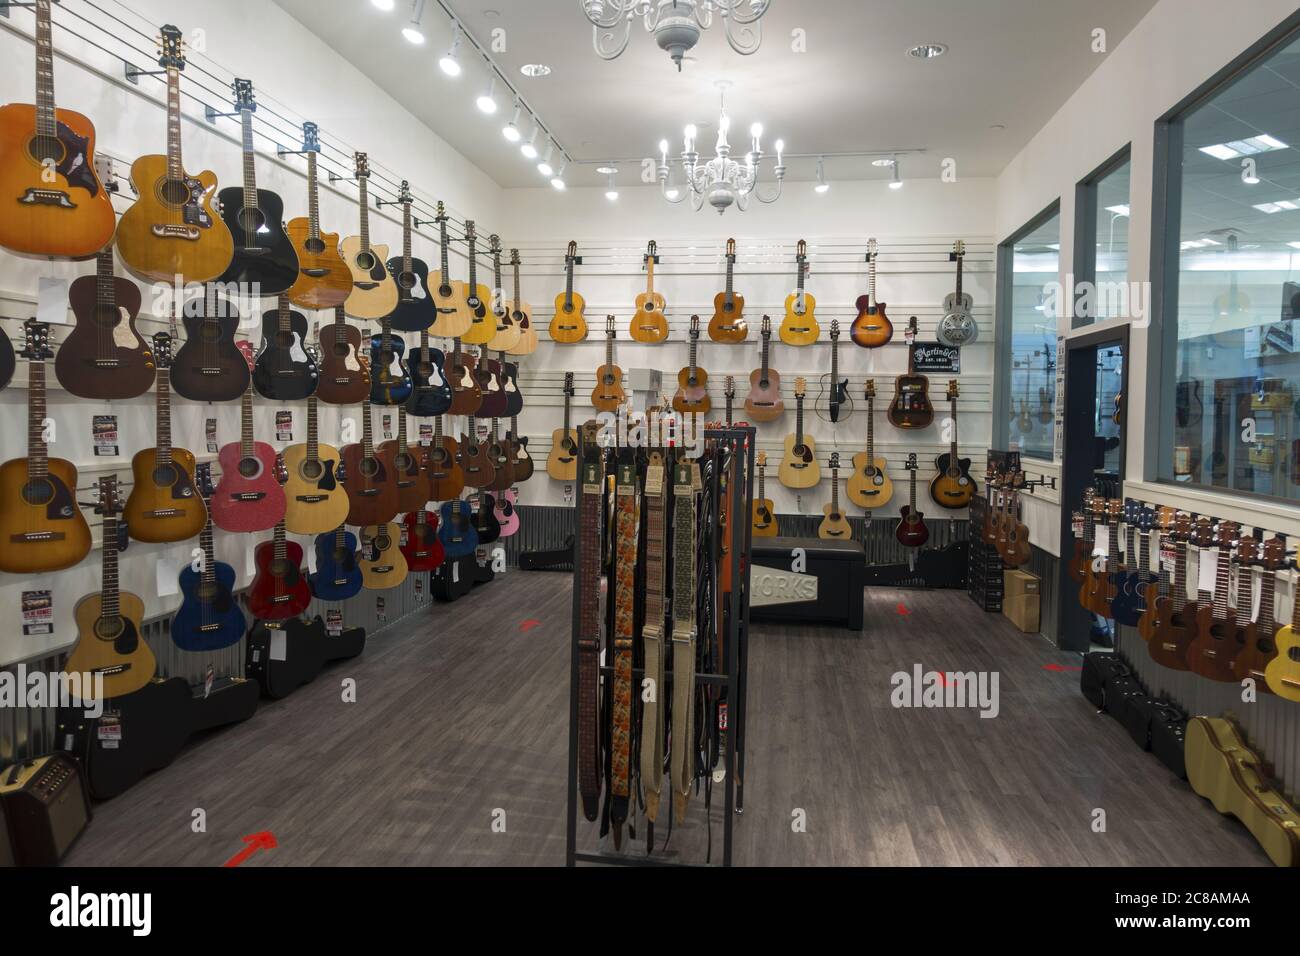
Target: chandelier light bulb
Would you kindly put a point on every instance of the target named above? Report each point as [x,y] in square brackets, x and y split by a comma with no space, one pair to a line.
[511,130]
[689,139]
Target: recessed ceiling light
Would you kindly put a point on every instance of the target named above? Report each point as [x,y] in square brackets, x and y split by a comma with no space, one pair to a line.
[882,162]
[1268,207]
[535,69]
[928,51]
[1294,245]
[607,170]
[383,4]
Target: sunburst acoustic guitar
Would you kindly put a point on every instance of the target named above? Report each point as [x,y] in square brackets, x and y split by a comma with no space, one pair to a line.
[728,322]
[324,280]
[374,293]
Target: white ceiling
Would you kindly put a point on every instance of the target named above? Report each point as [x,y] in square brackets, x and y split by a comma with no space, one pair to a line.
[1011,64]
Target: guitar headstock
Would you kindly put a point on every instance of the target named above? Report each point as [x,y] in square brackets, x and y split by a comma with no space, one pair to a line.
[441,217]
[800,387]
[729,389]
[913,330]
[1146,519]
[310,137]
[1114,509]
[108,501]
[249,351]
[762,459]
[767,327]
[872,246]
[568,384]
[1227,533]
[1132,511]
[953,391]
[361,165]
[1165,518]
[610,331]
[171,48]
[869,389]
[651,250]
[1247,549]
[514,257]
[203,478]
[404,193]
[695,327]
[494,246]
[835,461]
[470,234]
[162,350]
[911,464]
[1182,526]
[731,250]
[36,341]
[801,251]
[243,90]
[959,249]
[572,252]
[1273,554]
[835,329]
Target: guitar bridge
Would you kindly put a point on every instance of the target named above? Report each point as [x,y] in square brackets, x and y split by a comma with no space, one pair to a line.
[164,230]
[36,537]
[164,513]
[47,197]
[248,496]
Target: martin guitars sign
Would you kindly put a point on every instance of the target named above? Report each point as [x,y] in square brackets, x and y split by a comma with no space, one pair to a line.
[931,357]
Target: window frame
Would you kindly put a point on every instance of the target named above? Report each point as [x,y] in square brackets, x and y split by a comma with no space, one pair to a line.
[1085,226]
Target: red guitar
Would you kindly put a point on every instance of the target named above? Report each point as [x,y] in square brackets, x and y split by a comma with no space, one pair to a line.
[911,531]
[279,589]
[249,496]
[423,550]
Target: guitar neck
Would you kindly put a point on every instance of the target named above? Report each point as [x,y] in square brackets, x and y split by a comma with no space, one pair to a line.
[365,213]
[108,592]
[313,442]
[406,237]
[1180,577]
[767,339]
[1222,577]
[798,421]
[952,447]
[1267,601]
[912,491]
[209,573]
[367,435]
[246,422]
[162,411]
[567,399]
[871,432]
[473,270]
[1245,593]
[650,276]
[250,173]
[46,122]
[313,202]
[280,548]
[568,284]
[37,451]
[835,491]
[730,269]
[871,283]
[175,171]
[442,249]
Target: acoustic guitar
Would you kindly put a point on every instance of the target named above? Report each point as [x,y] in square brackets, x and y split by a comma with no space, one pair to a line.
[421,547]
[342,378]
[442,461]
[521,314]
[519,444]
[506,513]
[834,404]
[41,527]
[870,486]
[1282,673]
[692,396]
[383,565]
[1158,589]
[569,325]
[1220,630]
[474,458]
[482,323]
[799,327]
[649,326]
[315,501]
[324,280]
[834,526]
[488,372]
[374,293]
[171,230]
[502,458]
[448,294]
[764,402]
[430,393]
[337,576]
[369,478]
[57,205]
[957,327]
[952,487]
[514,398]
[279,588]
[456,530]
[1013,537]
[486,524]
[872,328]
[608,395]
[209,367]
[249,496]
[285,371]
[562,462]
[408,473]
[264,258]
[466,396]
[911,406]
[799,468]
[390,380]
[911,531]
[763,520]
[728,322]
[1259,645]
[1084,531]
[415,310]
[109,624]
[163,504]
[104,357]
[1175,615]
[209,617]
[507,332]
[1098,588]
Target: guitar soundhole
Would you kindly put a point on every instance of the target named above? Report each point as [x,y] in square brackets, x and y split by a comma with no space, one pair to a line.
[284,338]
[312,470]
[314,246]
[280,567]
[109,628]
[249,467]
[382,542]
[107,316]
[406,280]
[340,555]
[207,591]
[210,330]
[175,192]
[340,346]
[164,476]
[438,456]
[568,309]
[45,149]
[369,467]
[251,220]
[365,261]
[425,369]
[403,462]
[38,492]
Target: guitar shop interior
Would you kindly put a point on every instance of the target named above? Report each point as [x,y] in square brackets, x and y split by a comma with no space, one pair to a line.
[650,445]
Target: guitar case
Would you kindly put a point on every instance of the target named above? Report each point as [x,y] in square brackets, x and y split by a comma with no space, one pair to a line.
[1123,694]
[284,655]
[454,578]
[1169,735]
[1098,668]
[350,642]
[1136,717]
[231,700]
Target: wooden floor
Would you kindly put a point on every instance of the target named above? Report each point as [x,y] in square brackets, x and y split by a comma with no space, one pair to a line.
[461,719]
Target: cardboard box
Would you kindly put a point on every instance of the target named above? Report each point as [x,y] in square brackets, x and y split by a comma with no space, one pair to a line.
[1023,611]
[1016,583]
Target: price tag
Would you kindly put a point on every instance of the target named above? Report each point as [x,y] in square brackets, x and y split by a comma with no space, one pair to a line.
[1076,526]
[209,676]
[1209,562]
[38,613]
[386,424]
[311,560]
[103,432]
[334,621]
[52,300]
[426,434]
[381,611]
[108,732]
[279,645]
[284,425]
[1168,556]
[419,585]
[568,494]
[210,431]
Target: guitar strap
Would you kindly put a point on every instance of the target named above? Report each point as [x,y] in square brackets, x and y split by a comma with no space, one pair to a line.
[624,596]
[589,636]
[686,479]
[652,633]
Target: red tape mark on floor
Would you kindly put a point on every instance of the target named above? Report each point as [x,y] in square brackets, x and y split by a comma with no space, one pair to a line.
[529,624]
[1061,667]
[903,609]
[264,840]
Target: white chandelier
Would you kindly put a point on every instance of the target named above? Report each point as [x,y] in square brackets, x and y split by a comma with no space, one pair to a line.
[676,24]
[721,182]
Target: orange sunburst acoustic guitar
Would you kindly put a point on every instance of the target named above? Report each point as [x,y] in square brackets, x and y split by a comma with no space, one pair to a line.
[324,280]
[728,322]
[872,328]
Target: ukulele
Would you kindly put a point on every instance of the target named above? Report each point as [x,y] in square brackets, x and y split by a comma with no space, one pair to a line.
[1084,538]
[490,386]
[40,524]
[249,496]
[109,624]
[104,357]
[692,395]
[506,513]
[209,367]
[503,461]
[764,402]
[834,525]
[799,468]
[415,310]
[952,486]
[763,521]
[521,315]
[442,461]
[799,327]
[466,397]
[383,565]
[608,394]
[569,325]
[507,332]
[911,406]
[872,328]
[209,617]
[834,403]
[1158,590]
[171,231]
[649,325]
[163,504]
[323,279]
[374,293]
[456,531]
[1220,632]
[421,547]
[343,378]
[728,323]
[957,327]
[448,294]
[911,531]
[1282,673]
[474,459]
[337,576]
[279,589]
[523,462]
[58,206]
[315,501]
[1175,615]
[1099,588]
[562,463]
[264,258]
[408,475]
[1130,604]
[870,486]
[1014,540]
[369,477]
[390,381]
[430,393]
[284,371]
[482,323]
[1259,648]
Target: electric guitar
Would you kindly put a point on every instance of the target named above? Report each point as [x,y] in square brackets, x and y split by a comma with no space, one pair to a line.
[608,394]
[692,395]
[1220,632]
[763,521]
[383,565]
[448,294]
[872,328]
[374,293]
[482,323]
[466,396]
[1282,672]
[209,617]
[870,486]
[799,327]
[521,315]
[422,549]
[337,576]
[249,496]
[911,406]
[415,310]
[430,393]
[408,475]
[562,462]
[343,378]
[315,501]
[279,589]
[369,477]
[1259,647]
[764,402]
[569,325]
[952,487]
[728,322]
[799,468]
[324,280]
[442,461]
[390,381]
[209,367]
[507,332]
[474,458]
[456,531]
[104,357]
[957,327]
[911,531]
[649,325]
[834,404]
[285,371]
[834,525]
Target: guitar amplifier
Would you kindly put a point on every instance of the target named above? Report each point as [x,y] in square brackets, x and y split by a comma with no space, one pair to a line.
[807,580]
[45,807]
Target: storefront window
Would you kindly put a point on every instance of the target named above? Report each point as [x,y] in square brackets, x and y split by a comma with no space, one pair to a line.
[1106,204]
[1034,267]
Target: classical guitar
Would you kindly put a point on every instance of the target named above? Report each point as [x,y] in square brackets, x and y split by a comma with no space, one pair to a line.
[442,461]
[608,394]
[420,545]
[502,458]
[343,378]
[911,406]
[474,458]
[415,310]
[264,257]
[209,617]
[911,531]
[952,487]
[1175,615]
[488,372]
[1259,646]
[171,233]
[872,328]
[466,396]
[799,327]
[408,474]
[448,294]
[799,468]
[764,402]
[519,444]
[163,504]
[834,404]
[486,524]
[870,486]
[1220,630]
[478,298]
[368,478]
[109,624]
[514,398]
[58,207]
[374,293]
[957,327]
[569,325]
[430,393]
[456,530]
[1282,673]
[285,371]
[834,525]
[383,565]
[337,576]
[649,325]
[692,396]
[41,527]
[324,280]
[209,367]
[507,514]
[279,589]
[104,357]
[315,501]
[507,332]
[728,322]
[1013,540]
[763,520]
[249,496]
[562,462]
[521,315]
[390,380]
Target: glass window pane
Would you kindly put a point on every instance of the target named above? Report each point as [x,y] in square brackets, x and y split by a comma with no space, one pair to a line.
[1035,262]
[1112,241]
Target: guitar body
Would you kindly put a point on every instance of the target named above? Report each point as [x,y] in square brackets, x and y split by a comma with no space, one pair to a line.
[370,485]
[446,477]
[449,303]
[1258,650]
[911,531]
[482,323]
[510,387]
[171,229]
[911,406]
[383,565]
[799,468]
[1129,604]
[486,525]
[456,530]
[693,397]
[569,324]
[390,382]
[415,310]
[763,518]
[164,505]
[466,396]
[113,648]
[476,462]
[209,367]
[562,462]
[952,487]
[507,334]
[374,293]
[1283,672]
[500,454]
[279,589]
[412,486]
[248,497]
[337,576]
[324,279]
[506,514]
[834,403]
[284,370]
[521,314]
[649,326]
[1149,621]
[764,402]
[523,461]
[264,257]
[104,357]
[1174,634]
[834,526]
[342,378]
[315,501]
[430,393]
[493,404]
[869,486]
[872,328]
[799,328]
[423,550]
[209,618]
[1217,643]
[608,394]
[41,527]
[728,322]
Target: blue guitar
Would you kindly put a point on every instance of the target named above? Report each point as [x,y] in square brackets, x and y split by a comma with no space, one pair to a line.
[208,618]
[430,394]
[1130,584]
[337,576]
[456,530]
[390,382]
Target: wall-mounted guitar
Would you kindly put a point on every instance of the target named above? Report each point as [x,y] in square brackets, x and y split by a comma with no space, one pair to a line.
[692,395]
[383,565]
[1220,632]
[264,258]
[957,327]
[415,310]
[448,293]
[569,325]
[1175,615]
[430,393]
[521,314]
[446,478]
[486,524]
[315,501]
[337,576]
[474,459]
[478,297]
[608,394]
[466,396]
[374,293]
[249,496]
[490,385]
[209,618]
[390,380]
[764,402]
[952,487]
[562,462]
[507,332]
[523,461]
[763,519]
[40,524]
[911,531]
[279,589]
[104,357]
[456,530]
[324,280]
[368,477]
[500,454]
[911,406]
[799,468]
[408,475]
[834,404]
[343,378]
[422,550]
[507,514]
[834,526]
[869,485]
[728,322]
[285,371]
[872,328]
[648,323]
[514,398]
[208,367]
[58,206]
[799,327]
[1259,647]
[1282,672]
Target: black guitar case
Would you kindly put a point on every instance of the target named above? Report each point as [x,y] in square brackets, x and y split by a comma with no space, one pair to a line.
[284,655]
[350,642]
[1138,712]
[1168,730]
[1098,668]
[229,701]
[454,578]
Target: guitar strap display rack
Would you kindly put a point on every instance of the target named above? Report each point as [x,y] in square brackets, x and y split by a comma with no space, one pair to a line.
[607,761]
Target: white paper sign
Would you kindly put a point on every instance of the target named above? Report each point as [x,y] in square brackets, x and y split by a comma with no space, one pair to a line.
[52,300]
[168,568]
[311,559]
[279,645]
[1209,563]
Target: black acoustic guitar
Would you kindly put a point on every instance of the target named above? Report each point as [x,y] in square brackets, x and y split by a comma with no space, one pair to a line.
[209,367]
[7,360]
[285,371]
[415,307]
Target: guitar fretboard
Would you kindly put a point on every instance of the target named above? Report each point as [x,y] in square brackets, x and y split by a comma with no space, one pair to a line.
[406,235]
[313,442]
[246,422]
[163,415]
[313,203]
[108,594]
[365,213]
[37,452]
[367,437]
[1222,578]
[250,173]
[46,123]
[1245,593]
[209,573]
[1180,577]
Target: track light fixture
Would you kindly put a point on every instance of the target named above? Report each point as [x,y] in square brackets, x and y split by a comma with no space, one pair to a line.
[385,5]
[895,182]
[822,185]
[412,31]
[487,102]
[611,191]
[449,64]
[544,167]
[511,130]
[558,180]
[529,149]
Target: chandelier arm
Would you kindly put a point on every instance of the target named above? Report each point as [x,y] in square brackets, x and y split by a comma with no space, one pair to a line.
[757,193]
[732,8]
[746,39]
[611,53]
[617,10]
